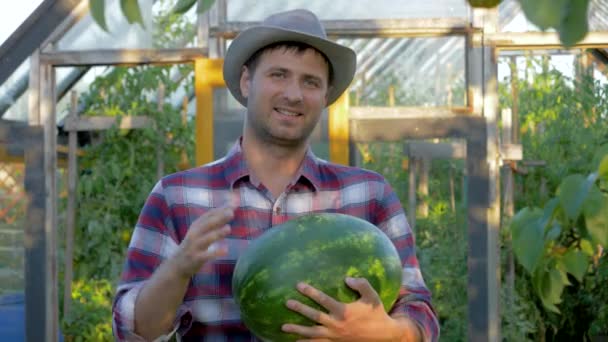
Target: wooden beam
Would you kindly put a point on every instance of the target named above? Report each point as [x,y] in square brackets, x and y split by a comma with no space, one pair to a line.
[511,152]
[536,40]
[34,89]
[457,150]
[424,168]
[49,122]
[72,181]
[338,131]
[451,150]
[484,283]
[160,162]
[402,128]
[78,12]
[31,33]
[357,113]
[37,274]
[371,28]
[98,123]
[207,75]
[122,57]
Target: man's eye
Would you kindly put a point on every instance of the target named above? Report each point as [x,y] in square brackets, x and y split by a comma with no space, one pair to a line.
[312,83]
[278,75]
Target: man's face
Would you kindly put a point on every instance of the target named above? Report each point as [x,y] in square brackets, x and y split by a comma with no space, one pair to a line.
[285,95]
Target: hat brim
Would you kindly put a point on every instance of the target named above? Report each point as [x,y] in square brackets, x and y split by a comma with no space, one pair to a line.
[343,60]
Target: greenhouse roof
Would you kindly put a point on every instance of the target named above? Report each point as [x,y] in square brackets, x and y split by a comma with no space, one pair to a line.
[424,64]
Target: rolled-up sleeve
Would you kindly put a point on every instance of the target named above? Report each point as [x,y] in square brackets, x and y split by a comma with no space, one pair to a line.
[153,240]
[414,299]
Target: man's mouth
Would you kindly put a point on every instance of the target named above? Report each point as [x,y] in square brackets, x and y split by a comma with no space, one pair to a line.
[287,112]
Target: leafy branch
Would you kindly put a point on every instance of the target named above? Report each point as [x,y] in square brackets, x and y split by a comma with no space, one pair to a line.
[561,238]
[568,17]
[132,12]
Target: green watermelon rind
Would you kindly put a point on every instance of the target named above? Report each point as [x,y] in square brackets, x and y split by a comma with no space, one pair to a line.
[274,255]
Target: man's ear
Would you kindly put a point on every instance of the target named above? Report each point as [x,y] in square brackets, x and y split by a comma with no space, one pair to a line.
[244,83]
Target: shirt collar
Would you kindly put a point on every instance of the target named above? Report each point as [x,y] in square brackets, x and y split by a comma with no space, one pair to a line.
[236,167]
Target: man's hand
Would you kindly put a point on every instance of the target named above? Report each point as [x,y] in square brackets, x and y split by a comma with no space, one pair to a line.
[201,243]
[362,320]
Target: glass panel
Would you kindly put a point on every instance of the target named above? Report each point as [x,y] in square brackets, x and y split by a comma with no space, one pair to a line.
[347,9]
[12,90]
[598,15]
[512,18]
[14,16]
[420,71]
[530,64]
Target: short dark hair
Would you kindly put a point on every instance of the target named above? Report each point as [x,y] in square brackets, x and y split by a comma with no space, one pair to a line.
[298,47]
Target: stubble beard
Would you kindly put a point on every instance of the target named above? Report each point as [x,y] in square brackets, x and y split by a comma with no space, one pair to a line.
[266,134]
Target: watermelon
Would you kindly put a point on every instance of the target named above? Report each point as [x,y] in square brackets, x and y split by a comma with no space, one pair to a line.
[320,250]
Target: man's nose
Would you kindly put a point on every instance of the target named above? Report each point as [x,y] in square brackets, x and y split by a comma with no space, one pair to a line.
[293,92]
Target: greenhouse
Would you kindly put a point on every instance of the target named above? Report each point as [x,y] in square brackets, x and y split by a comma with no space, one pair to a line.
[492,131]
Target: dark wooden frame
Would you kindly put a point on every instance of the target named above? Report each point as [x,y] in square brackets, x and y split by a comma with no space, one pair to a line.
[27,142]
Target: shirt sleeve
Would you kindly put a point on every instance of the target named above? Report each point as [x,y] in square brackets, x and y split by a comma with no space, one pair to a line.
[154,239]
[414,299]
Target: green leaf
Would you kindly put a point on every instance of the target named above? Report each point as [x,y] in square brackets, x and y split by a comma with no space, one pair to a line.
[576,263]
[603,169]
[544,13]
[131,10]
[204,5]
[574,26]
[550,287]
[563,273]
[183,6]
[528,239]
[572,193]
[98,12]
[484,3]
[587,247]
[553,233]
[599,155]
[596,216]
[548,212]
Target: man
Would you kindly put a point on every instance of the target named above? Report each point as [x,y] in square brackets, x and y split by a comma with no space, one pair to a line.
[195,223]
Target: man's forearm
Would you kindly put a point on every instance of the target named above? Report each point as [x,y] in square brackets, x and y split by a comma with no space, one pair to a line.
[409,330]
[158,301]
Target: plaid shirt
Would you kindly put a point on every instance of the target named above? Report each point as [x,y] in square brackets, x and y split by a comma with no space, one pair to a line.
[208,312]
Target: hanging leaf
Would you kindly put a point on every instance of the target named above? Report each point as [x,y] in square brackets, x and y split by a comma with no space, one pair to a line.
[131,10]
[204,5]
[587,247]
[599,155]
[549,286]
[544,13]
[572,193]
[98,12]
[574,26]
[548,212]
[554,232]
[576,263]
[528,239]
[484,3]
[563,273]
[183,6]
[596,216]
